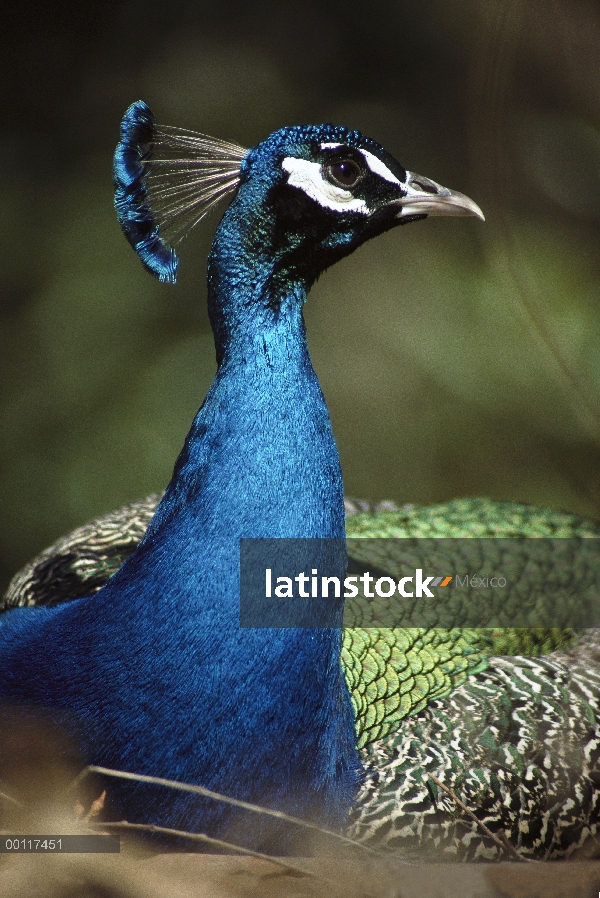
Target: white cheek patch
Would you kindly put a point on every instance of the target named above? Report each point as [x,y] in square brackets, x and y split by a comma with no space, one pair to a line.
[307,176]
[378,168]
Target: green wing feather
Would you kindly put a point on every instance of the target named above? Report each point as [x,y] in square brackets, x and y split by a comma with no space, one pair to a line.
[393,673]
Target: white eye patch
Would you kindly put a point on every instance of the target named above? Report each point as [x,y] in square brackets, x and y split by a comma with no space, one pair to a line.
[378,168]
[308,176]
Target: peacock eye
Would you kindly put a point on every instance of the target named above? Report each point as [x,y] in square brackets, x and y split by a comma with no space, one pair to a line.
[344,172]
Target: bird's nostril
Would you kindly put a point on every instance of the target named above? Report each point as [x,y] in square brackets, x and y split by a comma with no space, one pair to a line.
[425,188]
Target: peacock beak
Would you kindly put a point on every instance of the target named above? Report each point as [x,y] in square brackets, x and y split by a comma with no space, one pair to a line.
[424,197]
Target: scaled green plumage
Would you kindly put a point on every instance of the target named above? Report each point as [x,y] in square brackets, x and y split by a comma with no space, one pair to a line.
[393,673]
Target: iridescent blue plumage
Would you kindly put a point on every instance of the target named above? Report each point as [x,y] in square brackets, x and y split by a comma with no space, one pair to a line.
[130,170]
[153,673]
[166,180]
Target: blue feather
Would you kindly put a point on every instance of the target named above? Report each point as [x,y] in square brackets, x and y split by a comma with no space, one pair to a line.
[130,170]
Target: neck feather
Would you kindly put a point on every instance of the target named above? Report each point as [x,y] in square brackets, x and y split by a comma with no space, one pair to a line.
[260,459]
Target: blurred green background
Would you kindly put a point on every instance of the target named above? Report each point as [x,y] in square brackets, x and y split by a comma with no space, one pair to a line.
[457,358]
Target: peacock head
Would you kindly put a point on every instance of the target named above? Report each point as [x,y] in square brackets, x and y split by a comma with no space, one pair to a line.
[323,190]
[306,196]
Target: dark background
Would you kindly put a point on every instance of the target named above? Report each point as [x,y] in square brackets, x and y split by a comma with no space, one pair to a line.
[458,358]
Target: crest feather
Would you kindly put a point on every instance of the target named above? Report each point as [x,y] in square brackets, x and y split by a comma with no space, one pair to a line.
[166,180]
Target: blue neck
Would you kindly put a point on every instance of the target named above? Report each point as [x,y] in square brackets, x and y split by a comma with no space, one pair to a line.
[260,458]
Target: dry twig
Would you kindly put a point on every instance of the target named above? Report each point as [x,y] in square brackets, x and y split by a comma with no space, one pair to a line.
[217,796]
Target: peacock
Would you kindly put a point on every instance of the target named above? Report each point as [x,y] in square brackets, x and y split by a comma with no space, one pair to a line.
[356,729]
